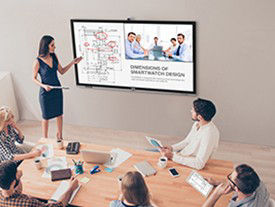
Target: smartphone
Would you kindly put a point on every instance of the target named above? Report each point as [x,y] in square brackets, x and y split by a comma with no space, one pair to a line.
[173,172]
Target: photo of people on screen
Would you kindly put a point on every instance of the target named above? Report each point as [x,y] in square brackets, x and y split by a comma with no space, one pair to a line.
[159,42]
[181,52]
[133,49]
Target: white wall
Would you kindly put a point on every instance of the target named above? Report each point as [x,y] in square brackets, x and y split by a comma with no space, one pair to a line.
[7,97]
[235,64]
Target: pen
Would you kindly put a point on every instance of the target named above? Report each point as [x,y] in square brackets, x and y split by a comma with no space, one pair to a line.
[74,161]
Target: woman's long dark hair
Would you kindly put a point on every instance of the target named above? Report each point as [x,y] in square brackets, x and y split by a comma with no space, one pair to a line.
[44,45]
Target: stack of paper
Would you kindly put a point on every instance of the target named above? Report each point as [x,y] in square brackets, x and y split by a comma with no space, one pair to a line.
[55,163]
[119,156]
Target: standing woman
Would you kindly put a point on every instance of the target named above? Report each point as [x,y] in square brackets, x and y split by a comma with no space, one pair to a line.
[51,100]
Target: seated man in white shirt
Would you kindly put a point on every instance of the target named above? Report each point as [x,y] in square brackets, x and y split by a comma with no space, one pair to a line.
[202,140]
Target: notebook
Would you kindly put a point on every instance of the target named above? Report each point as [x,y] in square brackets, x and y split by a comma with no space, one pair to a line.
[145,168]
[62,188]
[62,174]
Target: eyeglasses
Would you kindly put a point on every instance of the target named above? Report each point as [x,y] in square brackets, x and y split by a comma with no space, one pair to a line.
[16,182]
[229,178]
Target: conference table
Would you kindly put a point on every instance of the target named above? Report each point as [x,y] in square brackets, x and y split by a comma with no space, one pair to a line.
[103,187]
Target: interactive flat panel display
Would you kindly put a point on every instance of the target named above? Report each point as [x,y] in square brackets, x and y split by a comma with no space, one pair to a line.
[140,55]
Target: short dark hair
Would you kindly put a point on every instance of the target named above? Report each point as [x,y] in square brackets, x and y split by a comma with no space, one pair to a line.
[205,108]
[180,34]
[8,171]
[131,33]
[173,39]
[156,38]
[44,45]
[247,179]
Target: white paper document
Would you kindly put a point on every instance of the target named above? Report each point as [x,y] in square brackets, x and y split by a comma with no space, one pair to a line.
[62,188]
[59,87]
[55,163]
[119,156]
[154,142]
[47,151]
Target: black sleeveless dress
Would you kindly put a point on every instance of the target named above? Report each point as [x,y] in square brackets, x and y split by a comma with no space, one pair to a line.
[51,102]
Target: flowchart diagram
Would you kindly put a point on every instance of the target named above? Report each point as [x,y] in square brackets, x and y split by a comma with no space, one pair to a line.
[100,48]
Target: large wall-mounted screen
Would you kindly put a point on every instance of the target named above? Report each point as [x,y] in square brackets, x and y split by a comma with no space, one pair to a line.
[140,55]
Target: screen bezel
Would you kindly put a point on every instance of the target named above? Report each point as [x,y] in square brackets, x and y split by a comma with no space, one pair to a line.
[193,23]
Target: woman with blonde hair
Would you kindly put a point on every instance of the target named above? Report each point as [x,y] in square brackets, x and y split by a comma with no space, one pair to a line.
[9,134]
[134,192]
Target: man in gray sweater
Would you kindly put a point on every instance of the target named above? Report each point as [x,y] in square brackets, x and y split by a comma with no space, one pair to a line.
[249,190]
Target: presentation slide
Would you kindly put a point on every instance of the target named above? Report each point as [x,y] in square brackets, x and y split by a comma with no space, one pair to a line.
[140,55]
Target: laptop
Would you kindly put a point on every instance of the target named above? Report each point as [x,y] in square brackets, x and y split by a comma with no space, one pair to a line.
[157,52]
[93,156]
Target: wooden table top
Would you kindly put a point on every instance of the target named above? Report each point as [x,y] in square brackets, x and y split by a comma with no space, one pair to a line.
[103,187]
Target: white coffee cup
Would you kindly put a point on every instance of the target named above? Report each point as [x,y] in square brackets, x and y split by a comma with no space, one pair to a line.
[60,144]
[38,164]
[162,162]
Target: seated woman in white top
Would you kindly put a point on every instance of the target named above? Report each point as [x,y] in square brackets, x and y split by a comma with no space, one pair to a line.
[9,134]
[202,140]
[173,46]
[134,192]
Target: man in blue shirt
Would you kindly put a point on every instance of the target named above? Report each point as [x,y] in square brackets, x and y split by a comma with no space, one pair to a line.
[131,53]
[155,44]
[181,53]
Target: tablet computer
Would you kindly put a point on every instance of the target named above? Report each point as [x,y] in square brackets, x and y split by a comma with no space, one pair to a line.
[199,183]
